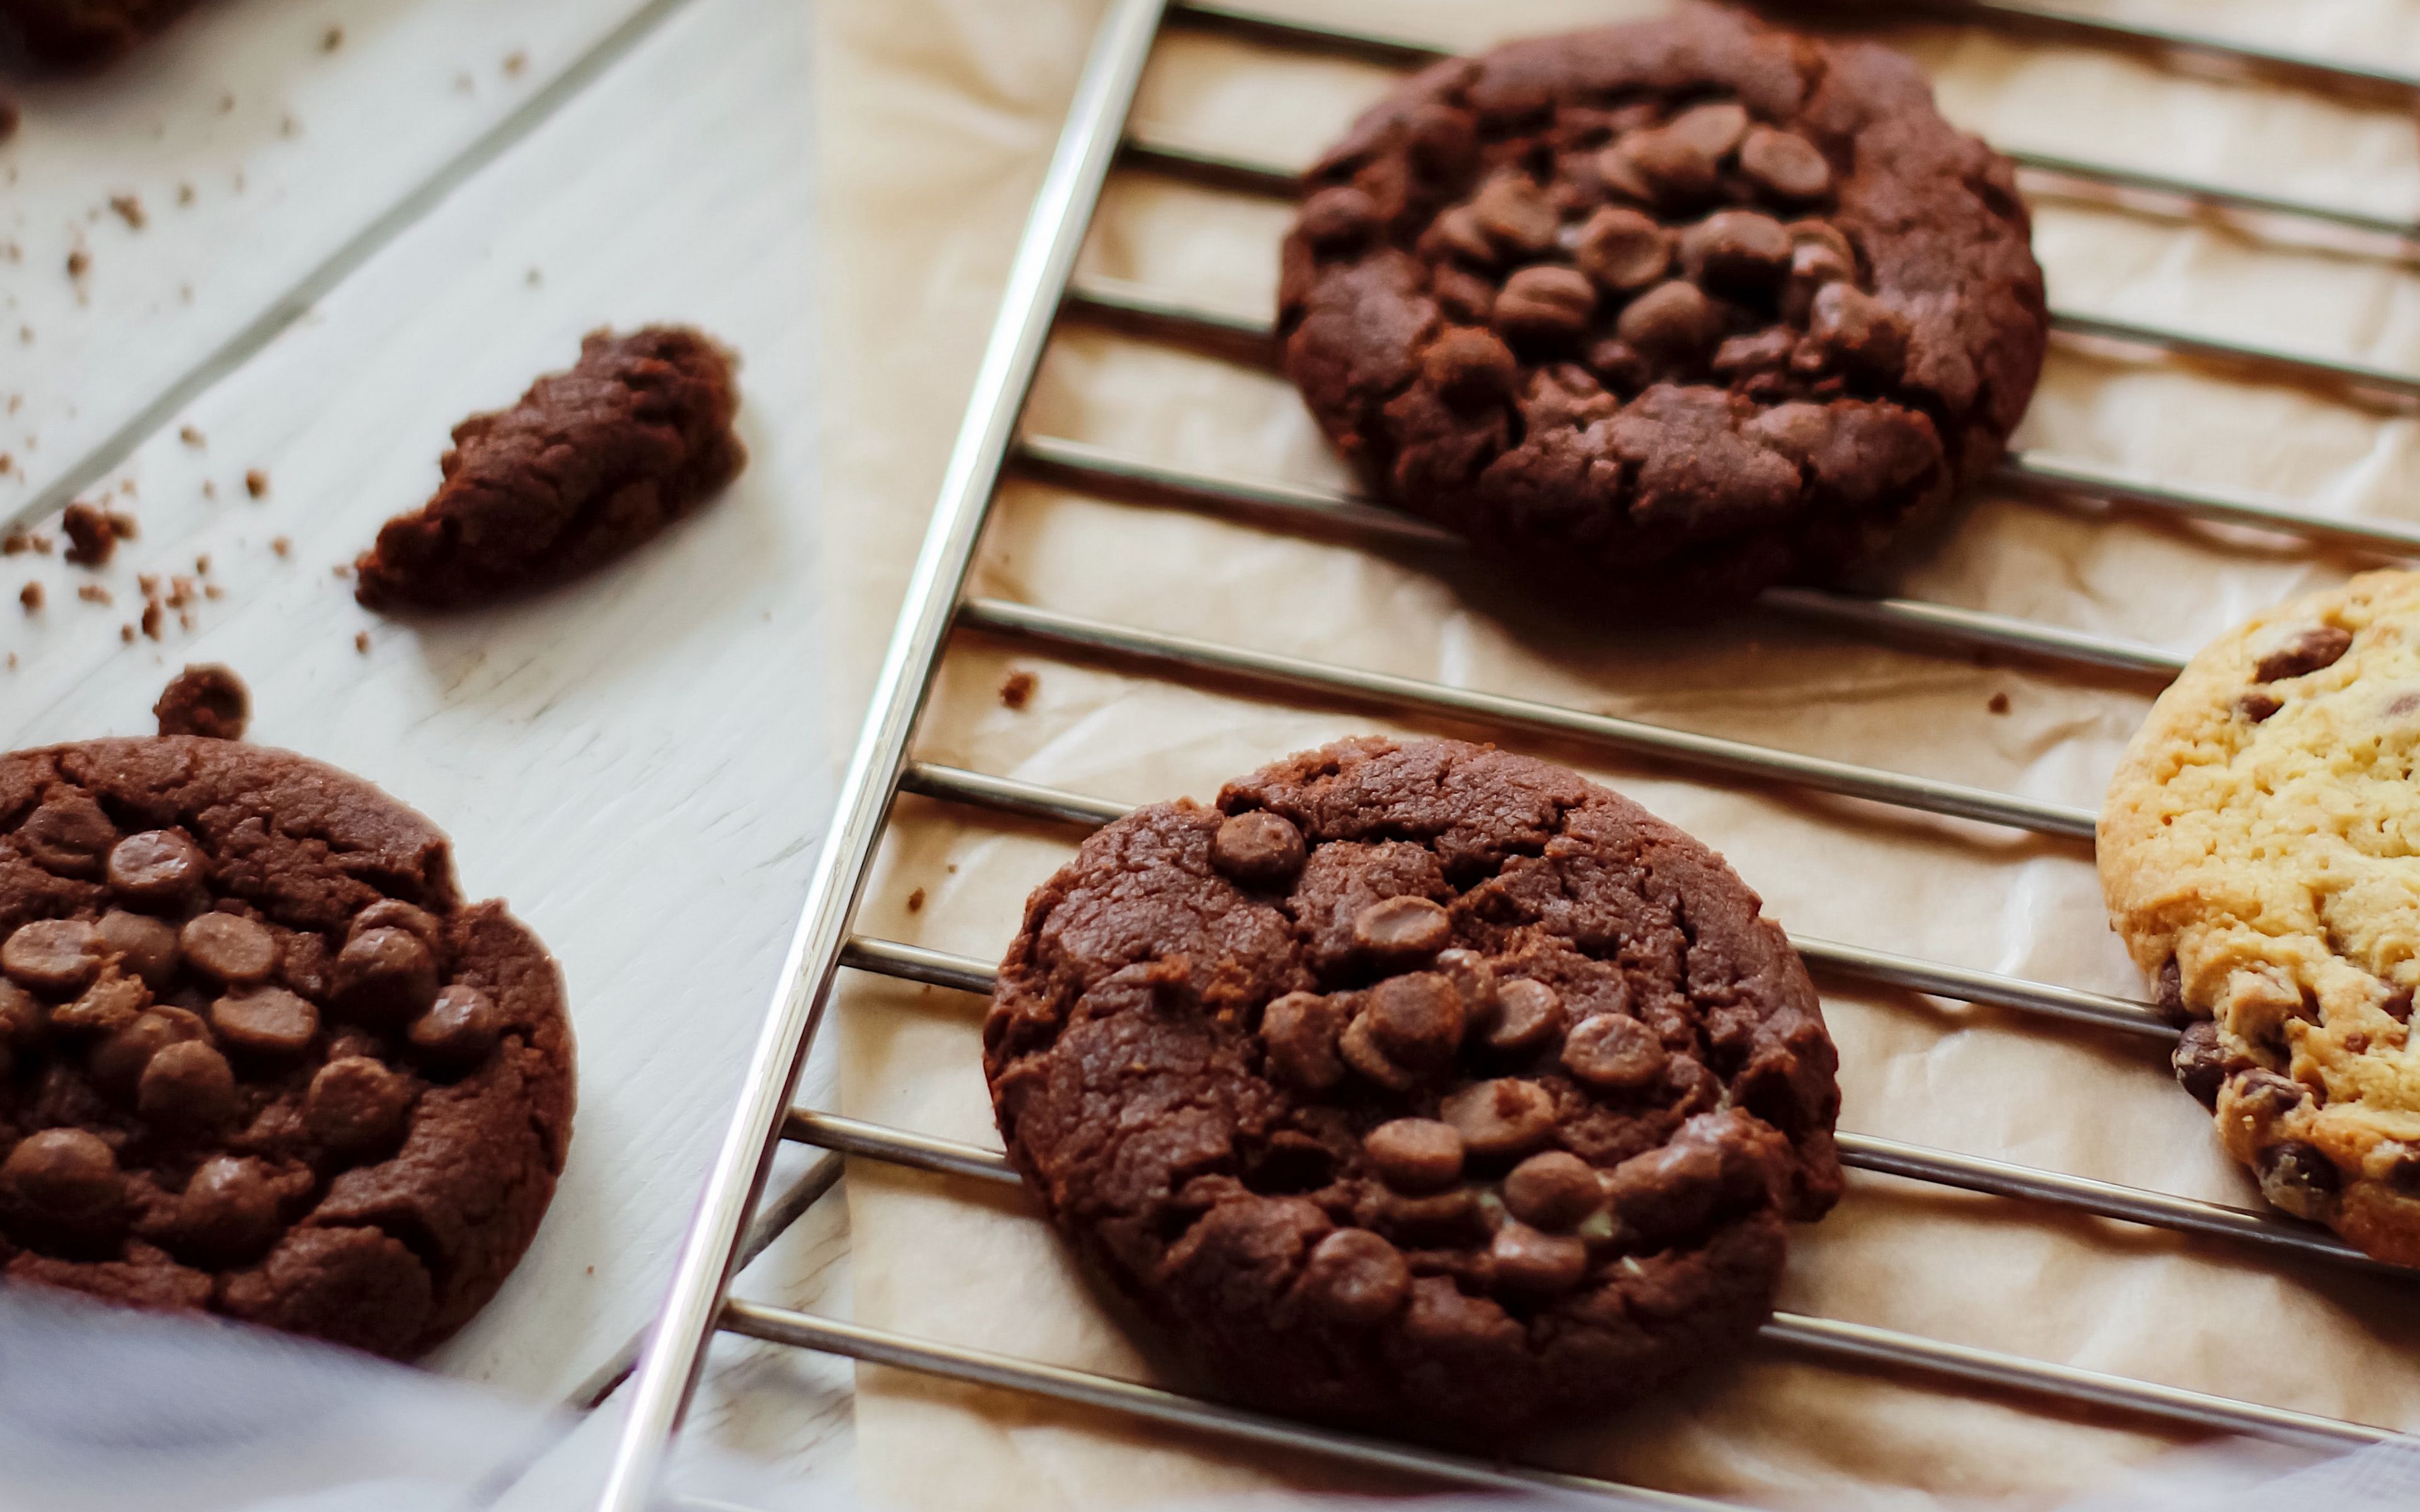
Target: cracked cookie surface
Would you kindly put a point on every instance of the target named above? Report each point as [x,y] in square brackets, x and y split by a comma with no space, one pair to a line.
[1666,313]
[2259,850]
[256,1053]
[1418,1083]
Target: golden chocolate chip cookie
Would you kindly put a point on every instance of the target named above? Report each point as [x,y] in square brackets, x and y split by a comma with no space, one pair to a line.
[2260,853]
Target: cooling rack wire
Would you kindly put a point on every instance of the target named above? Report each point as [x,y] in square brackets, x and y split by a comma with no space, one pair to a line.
[1044,289]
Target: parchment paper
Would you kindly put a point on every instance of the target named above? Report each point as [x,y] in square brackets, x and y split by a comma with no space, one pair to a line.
[938,116]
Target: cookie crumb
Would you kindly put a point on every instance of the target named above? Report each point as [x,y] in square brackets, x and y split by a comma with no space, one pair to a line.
[1017,689]
[190,436]
[184,193]
[31,596]
[210,488]
[916,901]
[202,564]
[79,263]
[206,699]
[362,641]
[281,545]
[130,210]
[515,62]
[1999,704]
[151,617]
[333,41]
[95,594]
[255,483]
[92,534]
[15,542]
[126,633]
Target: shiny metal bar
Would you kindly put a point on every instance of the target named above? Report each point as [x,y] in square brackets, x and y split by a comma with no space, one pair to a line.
[2030,469]
[1046,255]
[2328,75]
[1055,459]
[1252,339]
[1828,1340]
[1681,748]
[1864,1152]
[982,1367]
[1853,963]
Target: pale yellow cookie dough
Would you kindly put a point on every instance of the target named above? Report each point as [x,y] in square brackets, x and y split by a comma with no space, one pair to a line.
[2262,833]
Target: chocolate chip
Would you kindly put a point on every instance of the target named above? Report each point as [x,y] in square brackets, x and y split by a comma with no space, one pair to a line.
[2256,707]
[1462,294]
[68,1173]
[1258,849]
[1621,249]
[2403,1177]
[1546,304]
[145,946]
[2267,1096]
[158,867]
[1457,233]
[2297,1175]
[2169,995]
[1515,214]
[266,1021]
[227,1214]
[230,949]
[460,1028]
[1358,1046]
[1613,1051]
[106,1007]
[1473,979]
[1555,1190]
[1401,930]
[1298,1032]
[1851,329]
[1341,219]
[1762,351]
[69,835]
[1505,1117]
[1814,267]
[1414,1154]
[1541,1264]
[1528,1014]
[1784,163]
[1736,250]
[54,955]
[1416,1019]
[1830,238]
[119,1060]
[21,1016]
[1674,321]
[1356,1277]
[1713,128]
[187,1086]
[385,976]
[1469,366]
[2397,1005]
[356,1106]
[2200,1062]
[2316,648]
[1441,142]
[394,913]
[1660,166]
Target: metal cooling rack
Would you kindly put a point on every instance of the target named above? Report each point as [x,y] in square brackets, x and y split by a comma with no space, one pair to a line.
[1042,289]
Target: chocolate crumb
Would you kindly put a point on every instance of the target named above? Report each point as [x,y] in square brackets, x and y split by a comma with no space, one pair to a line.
[190,436]
[129,208]
[255,483]
[16,543]
[204,698]
[210,488]
[1017,689]
[1999,704]
[151,617]
[92,534]
[202,564]
[79,263]
[126,633]
[916,901]
[281,545]
[31,596]
[94,593]
[333,41]
[362,641]
[514,63]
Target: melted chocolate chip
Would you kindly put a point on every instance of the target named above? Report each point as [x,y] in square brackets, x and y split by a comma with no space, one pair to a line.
[2315,649]
[1414,1154]
[1356,1277]
[1258,849]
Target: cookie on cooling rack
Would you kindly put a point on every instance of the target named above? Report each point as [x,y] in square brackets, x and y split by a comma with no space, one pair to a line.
[257,1055]
[1666,313]
[1418,1083]
[2260,853]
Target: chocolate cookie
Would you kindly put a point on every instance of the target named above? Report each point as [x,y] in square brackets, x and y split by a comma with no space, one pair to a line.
[589,464]
[1666,313]
[1417,1084]
[204,698]
[2255,852]
[85,34]
[257,1055]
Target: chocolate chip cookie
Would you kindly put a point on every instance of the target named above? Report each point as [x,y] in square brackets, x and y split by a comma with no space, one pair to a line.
[1666,313]
[591,463]
[2257,850]
[256,1053]
[1417,1084]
